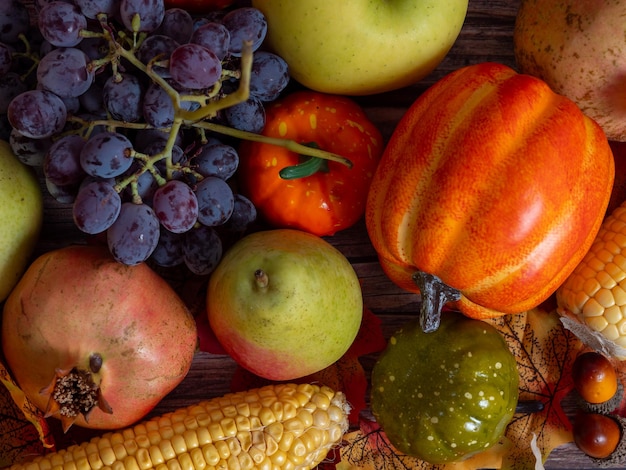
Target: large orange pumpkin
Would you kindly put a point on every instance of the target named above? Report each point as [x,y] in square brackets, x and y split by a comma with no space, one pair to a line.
[489,193]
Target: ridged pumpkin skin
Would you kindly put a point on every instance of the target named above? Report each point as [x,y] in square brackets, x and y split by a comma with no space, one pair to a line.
[494,184]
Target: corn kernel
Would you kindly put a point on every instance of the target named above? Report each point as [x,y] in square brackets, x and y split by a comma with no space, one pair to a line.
[266,416]
[167,450]
[211,455]
[597,323]
[222,449]
[593,309]
[156,456]
[143,459]
[197,458]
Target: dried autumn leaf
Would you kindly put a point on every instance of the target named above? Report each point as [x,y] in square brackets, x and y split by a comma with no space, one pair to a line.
[23,431]
[545,352]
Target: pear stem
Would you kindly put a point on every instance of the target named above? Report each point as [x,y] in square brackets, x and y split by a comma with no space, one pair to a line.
[435,294]
[261,278]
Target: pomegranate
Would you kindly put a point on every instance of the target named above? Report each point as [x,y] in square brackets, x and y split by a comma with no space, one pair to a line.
[95,342]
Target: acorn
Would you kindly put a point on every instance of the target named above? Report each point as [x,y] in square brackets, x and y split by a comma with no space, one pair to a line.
[601,438]
[597,383]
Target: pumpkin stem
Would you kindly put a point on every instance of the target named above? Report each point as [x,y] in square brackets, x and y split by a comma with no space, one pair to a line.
[435,294]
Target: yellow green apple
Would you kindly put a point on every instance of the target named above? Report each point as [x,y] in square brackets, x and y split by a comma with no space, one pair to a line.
[361,47]
[21,216]
[284,303]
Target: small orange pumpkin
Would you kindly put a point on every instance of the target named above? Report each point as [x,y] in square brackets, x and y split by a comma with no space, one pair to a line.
[489,193]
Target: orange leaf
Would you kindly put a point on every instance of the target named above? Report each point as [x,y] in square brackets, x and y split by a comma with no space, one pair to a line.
[24,432]
[545,352]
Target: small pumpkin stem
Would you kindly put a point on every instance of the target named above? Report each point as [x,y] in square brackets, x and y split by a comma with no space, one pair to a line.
[435,294]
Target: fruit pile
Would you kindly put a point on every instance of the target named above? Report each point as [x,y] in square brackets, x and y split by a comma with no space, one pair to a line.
[118,106]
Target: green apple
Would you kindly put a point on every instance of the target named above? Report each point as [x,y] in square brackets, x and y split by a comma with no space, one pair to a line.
[284,303]
[361,47]
[21,216]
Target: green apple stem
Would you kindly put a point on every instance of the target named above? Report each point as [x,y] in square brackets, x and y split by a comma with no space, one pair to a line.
[435,294]
[262,279]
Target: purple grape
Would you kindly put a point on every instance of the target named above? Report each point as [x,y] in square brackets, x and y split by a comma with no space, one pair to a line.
[177,24]
[158,109]
[106,155]
[65,72]
[149,12]
[216,201]
[61,194]
[169,251]
[218,159]
[157,47]
[29,151]
[96,207]
[269,76]
[37,114]
[247,116]
[176,206]
[91,8]
[62,162]
[123,98]
[245,24]
[214,36]
[243,216]
[134,235]
[61,23]
[195,67]
[202,250]
[11,85]
[14,20]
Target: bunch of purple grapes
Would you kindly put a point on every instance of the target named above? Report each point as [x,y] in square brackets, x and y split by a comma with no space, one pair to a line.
[132,111]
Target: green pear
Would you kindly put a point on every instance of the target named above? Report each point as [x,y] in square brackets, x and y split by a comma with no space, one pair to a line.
[284,303]
[21,217]
[361,47]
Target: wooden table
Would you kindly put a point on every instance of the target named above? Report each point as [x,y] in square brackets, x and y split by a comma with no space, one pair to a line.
[486,36]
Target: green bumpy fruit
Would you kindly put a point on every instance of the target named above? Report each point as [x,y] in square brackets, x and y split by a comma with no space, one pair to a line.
[446,395]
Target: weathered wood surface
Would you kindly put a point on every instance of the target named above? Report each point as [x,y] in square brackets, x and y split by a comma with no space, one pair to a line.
[486,36]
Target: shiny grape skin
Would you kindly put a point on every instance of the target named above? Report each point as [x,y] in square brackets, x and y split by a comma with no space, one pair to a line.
[195,67]
[270,76]
[176,206]
[91,8]
[64,71]
[247,116]
[217,159]
[243,216]
[62,161]
[216,201]
[123,98]
[157,47]
[96,207]
[106,155]
[37,113]
[213,36]
[245,24]
[150,12]
[134,235]
[178,24]
[61,23]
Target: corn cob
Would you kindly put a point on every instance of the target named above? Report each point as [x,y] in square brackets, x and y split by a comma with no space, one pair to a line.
[595,292]
[285,426]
